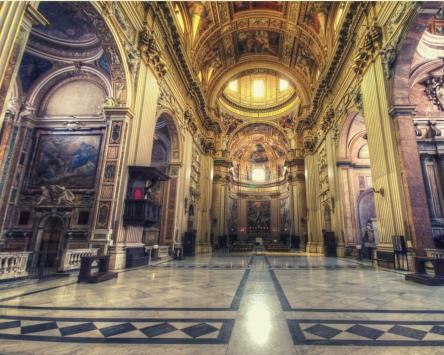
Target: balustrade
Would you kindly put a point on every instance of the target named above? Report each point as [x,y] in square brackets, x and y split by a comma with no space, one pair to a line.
[13,264]
[72,258]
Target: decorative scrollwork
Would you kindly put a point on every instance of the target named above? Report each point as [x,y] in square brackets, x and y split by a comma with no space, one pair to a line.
[151,53]
[371,43]
[435,91]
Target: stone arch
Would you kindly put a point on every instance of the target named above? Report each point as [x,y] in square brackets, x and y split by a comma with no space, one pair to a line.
[42,227]
[167,134]
[175,137]
[407,49]
[113,49]
[43,89]
[267,123]
[354,173]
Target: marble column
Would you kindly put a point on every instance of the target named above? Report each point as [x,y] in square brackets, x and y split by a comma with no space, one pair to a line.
[298,200]
[220,198]
[314,230]
[413,182]
[109,205]
[391,209]
[204,206]
[138,152]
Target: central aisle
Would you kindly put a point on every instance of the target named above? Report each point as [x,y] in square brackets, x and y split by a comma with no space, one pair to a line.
[235,304]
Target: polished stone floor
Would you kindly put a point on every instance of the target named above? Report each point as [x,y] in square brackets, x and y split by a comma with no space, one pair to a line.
[227,304]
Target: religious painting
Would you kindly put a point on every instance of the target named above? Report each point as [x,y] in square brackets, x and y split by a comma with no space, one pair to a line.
[239,6]
[259,216]
[284,215]
[68,160]
[258,42]
[232,215]
[31,68]
[258,155]
[66,22]
[287,122]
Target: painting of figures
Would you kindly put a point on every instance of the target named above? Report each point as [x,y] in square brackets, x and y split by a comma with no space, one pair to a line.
[68,160]
[232,215]
[258,216]
[259,41]
[258,5]
[285,215]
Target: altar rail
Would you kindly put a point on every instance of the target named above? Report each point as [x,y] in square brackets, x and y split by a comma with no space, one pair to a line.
[435,253]
[72,257]
[13,264]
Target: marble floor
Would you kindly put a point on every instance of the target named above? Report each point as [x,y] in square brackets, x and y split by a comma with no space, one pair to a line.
[227,304]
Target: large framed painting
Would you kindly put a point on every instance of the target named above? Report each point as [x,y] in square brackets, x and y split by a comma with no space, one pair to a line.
[65,158]
[259,216]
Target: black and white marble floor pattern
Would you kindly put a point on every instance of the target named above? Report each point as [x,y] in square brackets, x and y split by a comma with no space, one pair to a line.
[228,304]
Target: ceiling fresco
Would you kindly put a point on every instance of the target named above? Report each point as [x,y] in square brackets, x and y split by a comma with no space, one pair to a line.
[228,37]
[258,146]
[67,24]
[257,42]
[239,6]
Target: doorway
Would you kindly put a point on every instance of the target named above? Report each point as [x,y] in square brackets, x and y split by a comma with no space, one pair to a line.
[47,258]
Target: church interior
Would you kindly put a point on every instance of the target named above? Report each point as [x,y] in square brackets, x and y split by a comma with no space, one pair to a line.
[221,177]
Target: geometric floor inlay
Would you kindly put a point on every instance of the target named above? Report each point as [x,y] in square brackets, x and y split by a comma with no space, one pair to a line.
[142,331]
[366,332]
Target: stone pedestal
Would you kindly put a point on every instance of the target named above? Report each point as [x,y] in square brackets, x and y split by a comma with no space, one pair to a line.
[340,251]
[117,255]
[151,236]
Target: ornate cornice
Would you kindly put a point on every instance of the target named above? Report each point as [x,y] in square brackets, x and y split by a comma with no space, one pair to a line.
[328,119]
[372,42]
[178,55]
[309,142]
[151,53]
[344,43]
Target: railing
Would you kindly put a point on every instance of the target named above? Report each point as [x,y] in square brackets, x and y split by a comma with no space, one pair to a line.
[13,264]
[72,257]
[435,253]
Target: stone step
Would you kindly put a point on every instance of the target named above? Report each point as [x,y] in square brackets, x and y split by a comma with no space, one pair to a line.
[164,251]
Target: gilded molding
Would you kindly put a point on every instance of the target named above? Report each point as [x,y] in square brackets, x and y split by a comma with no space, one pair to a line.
[328,119]
[372,42]
[151,53]
[309,142]
[344,42]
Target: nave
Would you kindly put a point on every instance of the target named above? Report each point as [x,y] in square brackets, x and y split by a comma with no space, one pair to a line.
[227,304]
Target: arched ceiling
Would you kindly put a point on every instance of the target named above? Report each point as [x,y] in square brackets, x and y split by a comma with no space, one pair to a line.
[223,39]
[258,143]
[69,35]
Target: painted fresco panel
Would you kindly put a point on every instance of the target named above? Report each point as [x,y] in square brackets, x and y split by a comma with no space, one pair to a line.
[259,216]
[239,6]
[65,159]
[232,215]
[284,215]
[258,41]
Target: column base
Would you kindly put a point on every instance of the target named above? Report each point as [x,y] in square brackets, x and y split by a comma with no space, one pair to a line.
[117,257]
[315,248]
[204,248]
[340,251]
